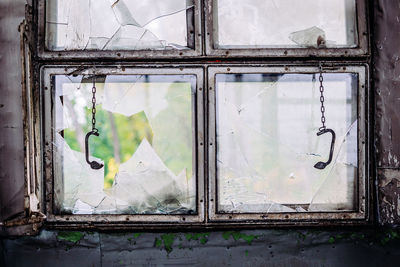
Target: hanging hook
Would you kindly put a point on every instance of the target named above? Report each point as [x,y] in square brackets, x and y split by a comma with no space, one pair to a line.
[93,164]
[322,130]
[321,165]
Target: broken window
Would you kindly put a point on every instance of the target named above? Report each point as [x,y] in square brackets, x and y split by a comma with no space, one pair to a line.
[119,24]
[267,143]
[287,23]
[266,146]
[145,125]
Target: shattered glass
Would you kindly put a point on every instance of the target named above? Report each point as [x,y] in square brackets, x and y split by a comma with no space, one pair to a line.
[284,23]
[145,143]
[267,144]
[118,24]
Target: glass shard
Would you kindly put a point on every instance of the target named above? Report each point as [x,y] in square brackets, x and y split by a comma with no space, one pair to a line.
[311,37]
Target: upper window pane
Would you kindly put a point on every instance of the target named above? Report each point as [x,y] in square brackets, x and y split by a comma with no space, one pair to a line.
[145,125]
[267,143]
[284,23]
[119,24]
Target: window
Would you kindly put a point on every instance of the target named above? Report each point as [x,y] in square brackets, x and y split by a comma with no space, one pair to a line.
[218,134]
[263,143]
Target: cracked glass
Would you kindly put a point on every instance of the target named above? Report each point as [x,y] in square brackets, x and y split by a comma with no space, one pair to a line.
[145,125]
[119,24]
[267,143]
[284,24]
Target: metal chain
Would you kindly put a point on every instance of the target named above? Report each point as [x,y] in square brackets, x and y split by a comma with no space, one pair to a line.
[94,105]
[322,99]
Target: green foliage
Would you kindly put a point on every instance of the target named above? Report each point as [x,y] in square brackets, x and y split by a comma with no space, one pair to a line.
[73,237]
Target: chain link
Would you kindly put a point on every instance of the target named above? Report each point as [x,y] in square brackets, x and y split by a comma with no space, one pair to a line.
[322,99]
[94,105]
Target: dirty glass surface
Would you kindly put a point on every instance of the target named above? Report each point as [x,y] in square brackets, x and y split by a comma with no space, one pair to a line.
[284,23]
[267,144]
[145,144]
[119,24]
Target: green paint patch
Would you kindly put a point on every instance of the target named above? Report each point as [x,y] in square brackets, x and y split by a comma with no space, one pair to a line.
[73,237]
[238,235]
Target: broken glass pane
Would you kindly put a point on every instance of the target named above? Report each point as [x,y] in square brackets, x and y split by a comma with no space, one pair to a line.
[145,143]
[284,23]
[267,144]
[118,24]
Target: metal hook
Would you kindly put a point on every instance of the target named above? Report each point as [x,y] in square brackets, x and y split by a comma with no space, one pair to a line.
[93,164]
[321,165]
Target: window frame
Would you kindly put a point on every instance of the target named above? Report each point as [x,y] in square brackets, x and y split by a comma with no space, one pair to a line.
[43,53]
[361,212]
[361,49]
[205,59]
[47,122]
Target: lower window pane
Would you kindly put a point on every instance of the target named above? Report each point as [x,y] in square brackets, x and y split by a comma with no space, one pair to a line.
[267,143]
[145,143]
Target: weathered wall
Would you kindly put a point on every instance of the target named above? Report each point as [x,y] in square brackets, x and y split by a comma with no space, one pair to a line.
[12,12]
[246,248]
[361,247]
[386,78]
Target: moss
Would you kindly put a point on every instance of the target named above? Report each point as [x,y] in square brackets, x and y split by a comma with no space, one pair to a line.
[166,241]
[238,235]
[226,235]
[202,237]
[136,235]
[73,237]
[158,243]
[246,253]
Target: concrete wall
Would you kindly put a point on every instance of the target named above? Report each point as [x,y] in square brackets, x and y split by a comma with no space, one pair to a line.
[286,247]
